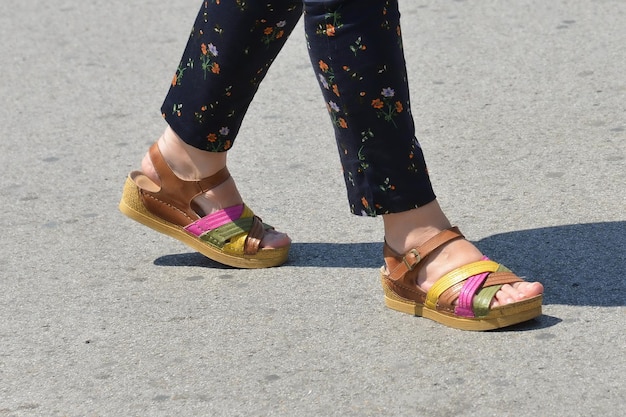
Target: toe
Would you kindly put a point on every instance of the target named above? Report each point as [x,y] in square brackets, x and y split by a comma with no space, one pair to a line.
[529,289]
[519,291]
[274,240]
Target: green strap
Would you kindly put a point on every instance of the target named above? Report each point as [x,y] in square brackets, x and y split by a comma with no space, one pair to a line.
[220,236]
[482,300]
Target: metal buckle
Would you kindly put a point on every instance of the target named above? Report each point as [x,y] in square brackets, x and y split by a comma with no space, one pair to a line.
[418,259]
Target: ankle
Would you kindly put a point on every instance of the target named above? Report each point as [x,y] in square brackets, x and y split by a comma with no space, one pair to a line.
[187,162]
[412,228]
[191,164]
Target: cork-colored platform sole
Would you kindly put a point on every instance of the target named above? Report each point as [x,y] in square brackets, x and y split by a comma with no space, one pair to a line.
[497,318]
[132,206]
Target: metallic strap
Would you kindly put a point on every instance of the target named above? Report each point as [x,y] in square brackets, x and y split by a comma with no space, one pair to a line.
[456,276]
[482,300]
[469,290]
[248,224]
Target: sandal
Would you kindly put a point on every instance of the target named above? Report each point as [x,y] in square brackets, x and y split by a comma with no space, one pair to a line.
[461,298]
[231,236]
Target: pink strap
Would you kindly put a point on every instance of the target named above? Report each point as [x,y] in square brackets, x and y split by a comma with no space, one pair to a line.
[466,297]
[215,220]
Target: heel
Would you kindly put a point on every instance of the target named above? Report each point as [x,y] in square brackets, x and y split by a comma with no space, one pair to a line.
[395,302]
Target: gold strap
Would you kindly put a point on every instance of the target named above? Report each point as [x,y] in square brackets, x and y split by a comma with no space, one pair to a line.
[456,276]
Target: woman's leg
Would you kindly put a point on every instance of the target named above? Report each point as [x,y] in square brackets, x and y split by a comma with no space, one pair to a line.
[231,47]
[229,51]
[356,51]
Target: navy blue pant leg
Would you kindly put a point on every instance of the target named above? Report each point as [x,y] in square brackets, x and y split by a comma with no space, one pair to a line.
[230,48]
[356,51]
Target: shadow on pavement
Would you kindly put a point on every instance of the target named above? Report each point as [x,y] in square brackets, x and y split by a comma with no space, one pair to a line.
[580,264]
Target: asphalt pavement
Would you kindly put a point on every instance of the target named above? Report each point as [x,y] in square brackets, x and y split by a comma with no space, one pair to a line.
[521,110]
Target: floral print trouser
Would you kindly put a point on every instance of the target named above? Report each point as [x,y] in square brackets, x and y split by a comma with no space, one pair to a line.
[356,51]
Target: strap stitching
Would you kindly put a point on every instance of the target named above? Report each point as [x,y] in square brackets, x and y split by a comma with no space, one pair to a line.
[146,194]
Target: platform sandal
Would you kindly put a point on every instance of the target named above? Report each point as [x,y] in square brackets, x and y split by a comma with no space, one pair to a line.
[231,236]
[461,298]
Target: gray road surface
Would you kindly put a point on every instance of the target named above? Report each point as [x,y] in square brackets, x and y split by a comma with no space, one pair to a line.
[521,109]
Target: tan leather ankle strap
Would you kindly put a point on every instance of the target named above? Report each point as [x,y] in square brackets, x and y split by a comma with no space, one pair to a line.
[186,190]
[398,265]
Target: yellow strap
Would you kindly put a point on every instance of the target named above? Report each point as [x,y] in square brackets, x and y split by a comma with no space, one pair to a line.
[246,212]
[455,276]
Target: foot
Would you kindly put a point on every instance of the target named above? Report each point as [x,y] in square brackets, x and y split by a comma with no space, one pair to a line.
[190,164]
[407,230]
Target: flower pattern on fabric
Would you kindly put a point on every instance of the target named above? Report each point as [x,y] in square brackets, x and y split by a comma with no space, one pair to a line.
[273,33]
[327,78]
[330,25]
[180,72]
[207,58]
[230,48]
[363,80]
[356,52]
[386,107]
[335,115]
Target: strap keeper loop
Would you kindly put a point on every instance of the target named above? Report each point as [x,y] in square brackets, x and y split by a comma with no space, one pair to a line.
[417,260]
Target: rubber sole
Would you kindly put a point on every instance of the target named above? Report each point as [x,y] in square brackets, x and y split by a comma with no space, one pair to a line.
[132,206]
[498,317]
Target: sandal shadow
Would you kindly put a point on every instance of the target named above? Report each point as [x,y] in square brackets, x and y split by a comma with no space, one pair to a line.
[579,264]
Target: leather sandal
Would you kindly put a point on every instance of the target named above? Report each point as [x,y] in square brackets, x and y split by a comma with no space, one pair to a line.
[460,299]
[231,236]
